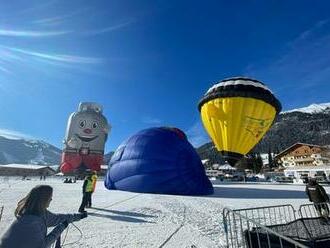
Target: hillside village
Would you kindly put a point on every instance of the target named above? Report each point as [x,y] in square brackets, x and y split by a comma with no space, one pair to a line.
[294,164]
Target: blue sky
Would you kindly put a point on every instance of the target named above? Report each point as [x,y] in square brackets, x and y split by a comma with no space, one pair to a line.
[149,62]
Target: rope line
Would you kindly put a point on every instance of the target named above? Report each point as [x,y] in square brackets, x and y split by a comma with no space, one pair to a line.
[66,233]
[121,201]
[71,243]
[181,225]
[81,233]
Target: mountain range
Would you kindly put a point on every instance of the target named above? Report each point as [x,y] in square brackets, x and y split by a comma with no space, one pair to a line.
[306,125]
[25,151]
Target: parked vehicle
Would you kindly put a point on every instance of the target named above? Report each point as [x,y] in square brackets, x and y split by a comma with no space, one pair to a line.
[284,179]
[252,179]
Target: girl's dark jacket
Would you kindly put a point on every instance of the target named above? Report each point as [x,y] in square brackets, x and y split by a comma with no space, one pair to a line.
[30,231]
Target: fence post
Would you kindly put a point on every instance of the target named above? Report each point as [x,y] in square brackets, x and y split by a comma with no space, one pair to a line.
[1,211]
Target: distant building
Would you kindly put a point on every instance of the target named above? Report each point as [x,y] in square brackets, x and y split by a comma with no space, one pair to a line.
[265,158]
[266,167]
[103,171]
[26,170]
[305,160]
[226,168]
[300,172]
[213,173]
[301,154]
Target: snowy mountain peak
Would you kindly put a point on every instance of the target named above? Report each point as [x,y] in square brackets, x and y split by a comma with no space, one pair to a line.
[27,151]
[311,109]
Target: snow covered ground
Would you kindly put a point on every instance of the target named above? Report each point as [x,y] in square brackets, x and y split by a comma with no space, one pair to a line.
[126,219]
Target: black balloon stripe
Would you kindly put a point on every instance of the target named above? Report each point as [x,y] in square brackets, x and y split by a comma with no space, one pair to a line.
[240,90]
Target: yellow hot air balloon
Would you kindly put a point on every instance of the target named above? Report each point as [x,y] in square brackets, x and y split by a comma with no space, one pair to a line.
[236,113]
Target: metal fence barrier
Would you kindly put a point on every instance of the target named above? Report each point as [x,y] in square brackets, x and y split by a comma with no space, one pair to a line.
[316,220]
[249,228]
[314,210]
[1,211]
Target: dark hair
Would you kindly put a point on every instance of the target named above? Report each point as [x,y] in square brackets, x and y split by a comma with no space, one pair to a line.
[35,202]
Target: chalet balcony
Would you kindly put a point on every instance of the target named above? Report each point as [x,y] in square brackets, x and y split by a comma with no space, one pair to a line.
[308,159]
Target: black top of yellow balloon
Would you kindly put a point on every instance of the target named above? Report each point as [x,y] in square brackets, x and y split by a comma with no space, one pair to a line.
[241,87]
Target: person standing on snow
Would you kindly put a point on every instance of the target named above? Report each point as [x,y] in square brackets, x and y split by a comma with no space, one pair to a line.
[29,230]
[87,191]
[94,179]
[317,194]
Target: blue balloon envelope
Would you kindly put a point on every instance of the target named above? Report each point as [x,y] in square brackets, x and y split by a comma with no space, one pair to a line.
[158,160]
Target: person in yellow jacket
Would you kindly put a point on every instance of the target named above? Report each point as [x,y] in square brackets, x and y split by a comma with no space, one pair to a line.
[87,191]
[94,179]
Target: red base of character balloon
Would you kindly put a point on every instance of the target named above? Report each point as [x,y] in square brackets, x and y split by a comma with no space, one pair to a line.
[72,162]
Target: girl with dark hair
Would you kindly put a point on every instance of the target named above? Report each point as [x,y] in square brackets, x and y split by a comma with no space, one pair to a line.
[29,230]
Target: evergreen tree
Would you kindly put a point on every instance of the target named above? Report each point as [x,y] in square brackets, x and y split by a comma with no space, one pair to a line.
[275,161]
[270,158]
[258,162]
[253,162]
[242,164]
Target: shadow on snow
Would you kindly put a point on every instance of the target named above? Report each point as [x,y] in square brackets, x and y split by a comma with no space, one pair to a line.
[132,214]
[121,216]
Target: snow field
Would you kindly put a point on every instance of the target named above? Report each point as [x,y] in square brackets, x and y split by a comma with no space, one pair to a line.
[126,219]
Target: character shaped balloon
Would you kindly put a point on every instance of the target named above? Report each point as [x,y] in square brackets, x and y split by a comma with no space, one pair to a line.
[236,113]
[85,137]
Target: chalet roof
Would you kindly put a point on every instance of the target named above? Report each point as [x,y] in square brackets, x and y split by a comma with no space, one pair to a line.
[26,166]
[287,150]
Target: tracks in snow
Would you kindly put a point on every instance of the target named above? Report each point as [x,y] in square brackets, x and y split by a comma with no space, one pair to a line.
[181,225]
[208,223]
[189,212]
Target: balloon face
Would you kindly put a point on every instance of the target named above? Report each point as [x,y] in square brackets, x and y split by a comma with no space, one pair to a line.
[237,113]
[87,128]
